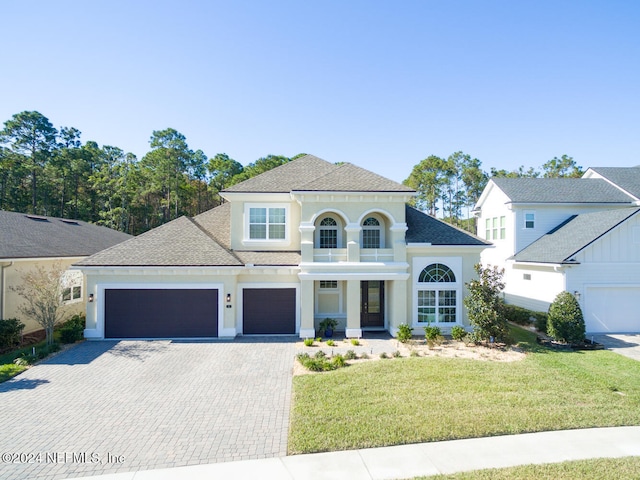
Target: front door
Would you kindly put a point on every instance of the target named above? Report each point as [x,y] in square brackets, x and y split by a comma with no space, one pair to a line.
[372,303]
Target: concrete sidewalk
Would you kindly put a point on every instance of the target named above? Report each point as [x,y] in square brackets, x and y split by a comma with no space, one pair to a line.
[407,461]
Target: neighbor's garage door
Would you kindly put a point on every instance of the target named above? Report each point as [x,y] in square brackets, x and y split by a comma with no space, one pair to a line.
[268,311]
[160,313]
[612,309]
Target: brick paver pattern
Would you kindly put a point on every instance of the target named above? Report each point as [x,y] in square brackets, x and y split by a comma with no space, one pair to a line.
[106,407]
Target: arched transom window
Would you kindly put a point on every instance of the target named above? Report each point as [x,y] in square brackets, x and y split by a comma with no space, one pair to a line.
[372,233]
[437,295]
[328,233]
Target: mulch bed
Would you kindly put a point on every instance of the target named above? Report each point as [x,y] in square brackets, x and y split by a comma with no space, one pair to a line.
[584,345]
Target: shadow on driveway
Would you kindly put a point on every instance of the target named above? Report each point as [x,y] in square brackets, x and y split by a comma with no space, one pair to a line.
[624,344]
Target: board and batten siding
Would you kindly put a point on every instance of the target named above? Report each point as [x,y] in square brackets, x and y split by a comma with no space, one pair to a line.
[537,293]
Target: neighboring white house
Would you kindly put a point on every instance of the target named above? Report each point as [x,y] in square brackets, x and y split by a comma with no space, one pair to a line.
[580,235]
[31,241]
[299,243]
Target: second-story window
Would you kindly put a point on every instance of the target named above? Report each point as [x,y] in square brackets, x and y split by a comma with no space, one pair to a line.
[371,233]
[529,220]
[328,233]
[267,223]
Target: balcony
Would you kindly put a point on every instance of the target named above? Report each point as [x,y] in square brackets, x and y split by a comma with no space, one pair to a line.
[329,254]
[376,255]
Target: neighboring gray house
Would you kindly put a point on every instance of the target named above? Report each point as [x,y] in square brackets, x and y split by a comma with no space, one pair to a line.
[581,235]
[304,241]
[28,241]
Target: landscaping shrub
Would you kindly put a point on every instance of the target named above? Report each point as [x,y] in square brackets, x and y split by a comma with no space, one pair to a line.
[308,342]
[338,361]
[432,334]
[355,342]
[384,355]
[396,354]
[404,333]
[458,333]
[10,331]
[331,343]
[485,307]
[565,322]
[519,315]
[320,363]
[541,321]
[350,355]
[73,329]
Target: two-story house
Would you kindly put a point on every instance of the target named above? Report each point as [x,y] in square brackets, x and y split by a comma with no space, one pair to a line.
[581,235]
[290,247]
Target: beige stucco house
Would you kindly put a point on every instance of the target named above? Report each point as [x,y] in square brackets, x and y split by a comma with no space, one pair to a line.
[31,241]
[290,247]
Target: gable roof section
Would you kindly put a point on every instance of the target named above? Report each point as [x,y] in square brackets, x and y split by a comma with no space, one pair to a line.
[423,228]
[180,242]
[33,236]
[310,173]
[626,178]
[576,233]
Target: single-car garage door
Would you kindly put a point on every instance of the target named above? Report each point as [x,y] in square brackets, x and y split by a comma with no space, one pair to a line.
[612,309]
[268,311]
[160,313]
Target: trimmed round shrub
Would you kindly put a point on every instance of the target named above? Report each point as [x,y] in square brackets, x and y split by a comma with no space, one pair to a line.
[565,322]
[458,332]
[404,333]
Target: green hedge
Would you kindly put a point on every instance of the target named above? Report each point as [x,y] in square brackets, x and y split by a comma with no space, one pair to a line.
[526,317]
[10,332]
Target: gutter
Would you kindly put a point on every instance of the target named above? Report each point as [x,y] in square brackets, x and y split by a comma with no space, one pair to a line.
[3,265]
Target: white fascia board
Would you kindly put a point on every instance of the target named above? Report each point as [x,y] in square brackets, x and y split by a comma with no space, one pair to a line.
[353,276]
[160,270]
[483,196]
[449,247]
[399,197]
[555,266]
[567,204]
[42,259]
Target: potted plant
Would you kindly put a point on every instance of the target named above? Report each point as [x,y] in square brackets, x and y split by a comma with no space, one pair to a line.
[327,325]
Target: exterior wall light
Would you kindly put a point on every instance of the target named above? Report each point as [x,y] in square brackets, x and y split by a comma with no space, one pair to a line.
[228,298]
[577,295]
[91,298]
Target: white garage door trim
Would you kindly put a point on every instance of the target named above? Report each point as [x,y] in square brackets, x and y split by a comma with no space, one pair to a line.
[100,297]
[627,312]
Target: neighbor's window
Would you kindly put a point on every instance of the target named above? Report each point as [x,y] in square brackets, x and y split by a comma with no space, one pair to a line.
[437,301]
[529,220]
[503,228]
[494,221]
[267,223]
[526,276]
[487,229]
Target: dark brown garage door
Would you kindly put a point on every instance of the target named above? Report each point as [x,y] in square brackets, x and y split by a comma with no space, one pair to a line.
[160,313]
[269,311]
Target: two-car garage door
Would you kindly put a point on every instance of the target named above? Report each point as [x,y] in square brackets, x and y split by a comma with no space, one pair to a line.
[160,313]
[192,313]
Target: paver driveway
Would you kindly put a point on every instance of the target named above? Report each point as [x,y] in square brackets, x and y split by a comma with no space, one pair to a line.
[105,407]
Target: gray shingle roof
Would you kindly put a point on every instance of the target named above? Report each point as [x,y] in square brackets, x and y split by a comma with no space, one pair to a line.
[29,236]
[180,242]
[269,258]
[627,178]
[216,222]
[423,228]
[576,233]
[287,177]
[560,190]
[310,173]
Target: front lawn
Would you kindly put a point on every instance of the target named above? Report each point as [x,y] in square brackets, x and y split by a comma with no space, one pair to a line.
[409,400]
[10,370]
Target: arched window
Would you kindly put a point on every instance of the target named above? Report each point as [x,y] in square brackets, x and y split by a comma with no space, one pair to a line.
[328,233]
[435,273]
[437,295]
[372,233]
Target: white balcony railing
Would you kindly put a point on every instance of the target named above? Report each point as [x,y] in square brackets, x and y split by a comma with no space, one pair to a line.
[329,254]
[376,255]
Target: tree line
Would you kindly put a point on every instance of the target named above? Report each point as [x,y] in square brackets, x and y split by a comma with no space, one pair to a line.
[49,171]
[52,172]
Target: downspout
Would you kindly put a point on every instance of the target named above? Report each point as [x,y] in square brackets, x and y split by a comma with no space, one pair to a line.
[2,283]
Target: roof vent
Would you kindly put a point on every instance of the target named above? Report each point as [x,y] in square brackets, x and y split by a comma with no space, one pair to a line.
[37,218]
[69,222]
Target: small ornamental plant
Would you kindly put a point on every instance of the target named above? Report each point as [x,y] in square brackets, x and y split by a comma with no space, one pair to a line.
[404,333]
[565,322]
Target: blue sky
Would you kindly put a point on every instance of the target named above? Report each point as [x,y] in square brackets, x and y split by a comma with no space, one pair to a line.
[382,84]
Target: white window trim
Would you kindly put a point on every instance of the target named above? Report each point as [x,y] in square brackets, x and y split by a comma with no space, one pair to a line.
[267,242]
[455,264]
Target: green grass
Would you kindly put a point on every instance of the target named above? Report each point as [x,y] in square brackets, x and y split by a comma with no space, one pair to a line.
[596,469]
[427,399]
[9,371]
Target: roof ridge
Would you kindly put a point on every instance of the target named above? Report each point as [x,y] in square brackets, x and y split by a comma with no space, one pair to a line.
[337,167]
